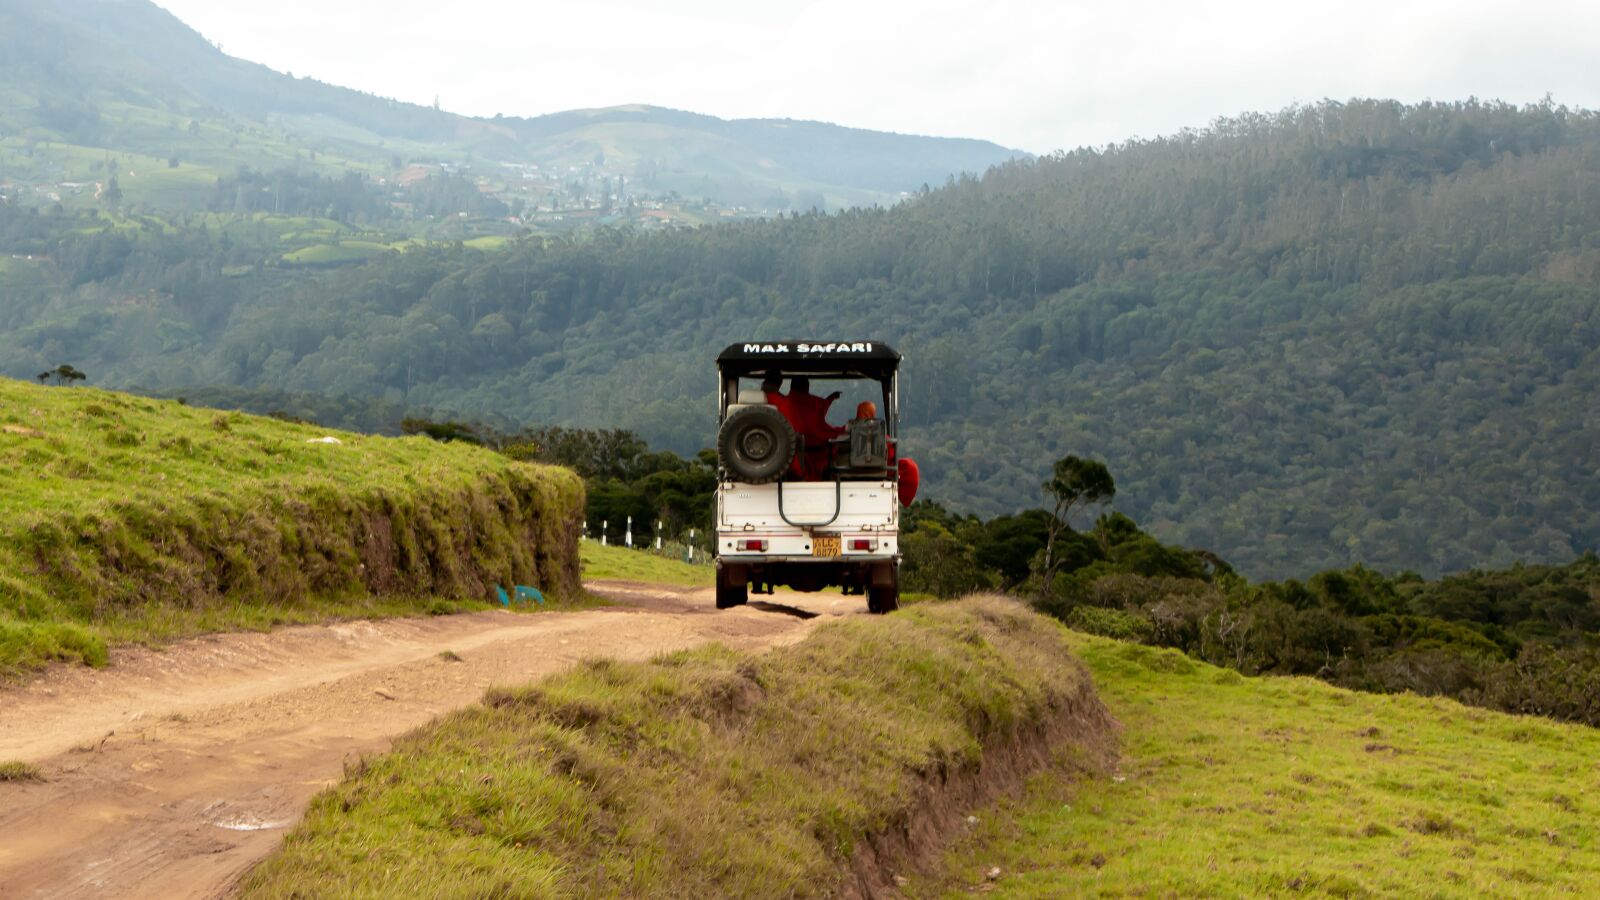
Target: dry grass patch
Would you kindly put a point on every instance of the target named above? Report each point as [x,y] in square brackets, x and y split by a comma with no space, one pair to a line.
[15,771]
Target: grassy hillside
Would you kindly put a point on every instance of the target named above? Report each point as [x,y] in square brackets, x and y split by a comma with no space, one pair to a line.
[1233,786]
[127,518]
[792,773]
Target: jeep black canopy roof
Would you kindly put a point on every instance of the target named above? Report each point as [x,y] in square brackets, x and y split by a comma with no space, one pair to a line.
[868,359]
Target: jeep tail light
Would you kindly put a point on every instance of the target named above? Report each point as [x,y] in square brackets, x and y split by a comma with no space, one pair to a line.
[863,544]
[758,546]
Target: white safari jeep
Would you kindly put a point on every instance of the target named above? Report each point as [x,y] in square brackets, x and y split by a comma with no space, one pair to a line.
[805,516]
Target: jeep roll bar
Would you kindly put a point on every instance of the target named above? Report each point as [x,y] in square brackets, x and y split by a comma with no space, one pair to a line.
[860,360]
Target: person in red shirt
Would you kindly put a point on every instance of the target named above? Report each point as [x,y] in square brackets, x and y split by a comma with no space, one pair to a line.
[812,411]
[808,414]
[769,386]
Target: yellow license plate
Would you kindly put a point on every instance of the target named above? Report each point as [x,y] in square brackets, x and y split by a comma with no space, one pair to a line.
[825,545]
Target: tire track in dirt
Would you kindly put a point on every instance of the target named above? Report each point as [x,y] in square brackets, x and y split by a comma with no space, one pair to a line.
[171,772]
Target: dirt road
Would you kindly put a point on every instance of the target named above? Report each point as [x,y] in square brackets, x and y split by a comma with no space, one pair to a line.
[172,771]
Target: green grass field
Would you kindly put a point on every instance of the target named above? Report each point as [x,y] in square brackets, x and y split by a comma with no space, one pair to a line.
[156,184]
[340,253]
[1243,787]
[143,178]
[622,564]
[125,518]
[142,139]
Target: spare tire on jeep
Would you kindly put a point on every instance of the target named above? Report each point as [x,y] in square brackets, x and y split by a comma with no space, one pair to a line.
[756,444]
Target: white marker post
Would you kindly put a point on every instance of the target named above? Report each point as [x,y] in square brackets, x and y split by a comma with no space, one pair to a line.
[691,545]
[605,525]
[658,534]
[628,535]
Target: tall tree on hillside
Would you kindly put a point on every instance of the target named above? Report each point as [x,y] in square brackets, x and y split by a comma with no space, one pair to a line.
[1075,484]
[112,197]
[63,374]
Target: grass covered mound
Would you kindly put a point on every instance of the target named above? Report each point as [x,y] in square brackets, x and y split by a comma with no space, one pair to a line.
[801,771]
[127,518]
[1245,787]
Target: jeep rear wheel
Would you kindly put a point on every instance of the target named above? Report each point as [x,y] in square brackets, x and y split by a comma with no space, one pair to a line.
[883,593]
[756,444]
[733,588]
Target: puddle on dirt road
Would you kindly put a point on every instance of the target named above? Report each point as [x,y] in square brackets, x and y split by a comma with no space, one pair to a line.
[225,815]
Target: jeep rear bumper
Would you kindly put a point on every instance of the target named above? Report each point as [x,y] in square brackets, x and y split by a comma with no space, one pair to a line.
[763,573]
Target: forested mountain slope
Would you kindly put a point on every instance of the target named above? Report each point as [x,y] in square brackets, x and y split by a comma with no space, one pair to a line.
[1367,331]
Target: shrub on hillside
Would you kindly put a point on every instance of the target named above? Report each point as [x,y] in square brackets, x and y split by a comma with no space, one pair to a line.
[938,563]
[1544,680]
[1436,671]
[1426,633]
[1111,623]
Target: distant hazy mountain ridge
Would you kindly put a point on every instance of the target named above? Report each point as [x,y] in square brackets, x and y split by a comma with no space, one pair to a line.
[125,75]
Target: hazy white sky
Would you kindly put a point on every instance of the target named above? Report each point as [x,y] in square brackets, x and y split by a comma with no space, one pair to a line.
[1034,75]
